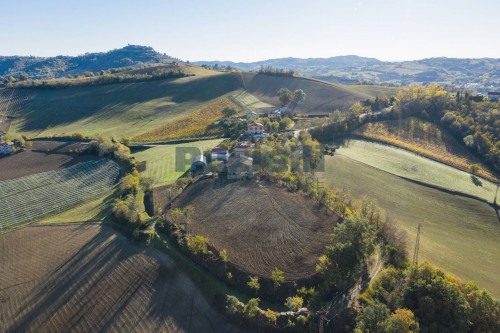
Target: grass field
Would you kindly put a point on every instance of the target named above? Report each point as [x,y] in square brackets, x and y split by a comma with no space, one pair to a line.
[260,226]
[372,91]
[200,124]
[161,160]
[424,138]
[407,164]
[89,278]
[249,102]
[461,234]
[321,97]
[126,109]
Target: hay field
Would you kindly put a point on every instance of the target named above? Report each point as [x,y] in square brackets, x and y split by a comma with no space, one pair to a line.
[261,227]
[461,234]
[88,278]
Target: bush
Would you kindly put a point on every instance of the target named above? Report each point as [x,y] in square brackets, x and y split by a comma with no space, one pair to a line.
[130,184]
[198,244]
[277,277]
[251,308]
[254,283]
[294,303]
[233,305]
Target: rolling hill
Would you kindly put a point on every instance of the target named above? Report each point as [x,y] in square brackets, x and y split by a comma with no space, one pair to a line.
[129,109]
[60,66]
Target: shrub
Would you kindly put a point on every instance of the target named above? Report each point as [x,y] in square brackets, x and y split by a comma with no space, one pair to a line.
[294,303]
[130,184]
[233,305]
[223,255]
[254,283]
[78,137]
[251,308]
[198,244]
[277,277]
[271,316]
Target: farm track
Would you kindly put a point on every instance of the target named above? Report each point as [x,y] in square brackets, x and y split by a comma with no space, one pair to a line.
[87,278]
[260,227]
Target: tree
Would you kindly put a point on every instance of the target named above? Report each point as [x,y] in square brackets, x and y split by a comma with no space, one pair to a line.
[285,123]
[485,311]
[251,308]
[229,111]
[277,277]
[299,95]
[352,243]
[254,283]
[474,169]
[372,318]
[198,244]
[23,77]
[284,96]
[294,303]
[402,321]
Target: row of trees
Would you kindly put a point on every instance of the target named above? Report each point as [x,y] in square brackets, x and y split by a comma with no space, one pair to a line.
[473,121]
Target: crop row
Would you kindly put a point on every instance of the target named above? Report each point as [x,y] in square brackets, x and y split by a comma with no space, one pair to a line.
[12,101]
[30,198]
[196,124]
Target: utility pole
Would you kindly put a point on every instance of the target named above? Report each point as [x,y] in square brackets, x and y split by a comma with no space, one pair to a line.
[417,244]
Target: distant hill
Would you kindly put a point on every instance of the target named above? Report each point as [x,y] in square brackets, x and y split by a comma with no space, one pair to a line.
[478,75]
[61,66]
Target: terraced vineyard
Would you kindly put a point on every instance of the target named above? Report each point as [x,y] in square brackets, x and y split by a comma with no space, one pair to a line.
[12,101]
[29,198]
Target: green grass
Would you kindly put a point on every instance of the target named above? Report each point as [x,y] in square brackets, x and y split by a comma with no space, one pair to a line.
[126,109]
[98,210]
[249,102]
[161,160]
[406,164]
[373,91]
[461,235]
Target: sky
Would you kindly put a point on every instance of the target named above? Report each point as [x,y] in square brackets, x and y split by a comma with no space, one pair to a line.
[254,30]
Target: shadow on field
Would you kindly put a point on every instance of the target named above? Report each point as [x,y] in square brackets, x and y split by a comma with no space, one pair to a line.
[56,107]
[109,285]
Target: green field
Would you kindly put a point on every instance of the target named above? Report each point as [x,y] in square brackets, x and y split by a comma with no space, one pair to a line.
[406,164]
[461,234]
[120,110]
[160,161]
[373,91]
[249,102]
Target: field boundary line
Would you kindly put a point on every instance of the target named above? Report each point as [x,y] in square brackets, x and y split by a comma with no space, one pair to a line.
[435,187]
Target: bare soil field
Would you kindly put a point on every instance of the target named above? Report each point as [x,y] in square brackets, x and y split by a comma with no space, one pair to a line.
[261,227]
[88,278]
[42,157]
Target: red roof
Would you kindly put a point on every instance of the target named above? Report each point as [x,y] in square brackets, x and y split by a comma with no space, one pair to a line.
[255,124]
[220,150]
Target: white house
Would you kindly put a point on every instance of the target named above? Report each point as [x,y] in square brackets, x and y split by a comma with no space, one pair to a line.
[6,148]
[252,115]
[220,154]
[493,95]
[255,128]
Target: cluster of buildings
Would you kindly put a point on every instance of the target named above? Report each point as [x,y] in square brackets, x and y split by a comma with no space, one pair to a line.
[255,129]
[236,165]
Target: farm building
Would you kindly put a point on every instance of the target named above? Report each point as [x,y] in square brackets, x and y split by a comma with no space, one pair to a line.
[241,147]
[220,154]
[239,167]
[6,148]
[274,115]
[255,128]
[493,95]
[252,115]
[199,163]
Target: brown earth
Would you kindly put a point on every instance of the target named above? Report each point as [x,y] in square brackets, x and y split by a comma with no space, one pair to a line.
[42,157]
[87,278]
[261,227]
